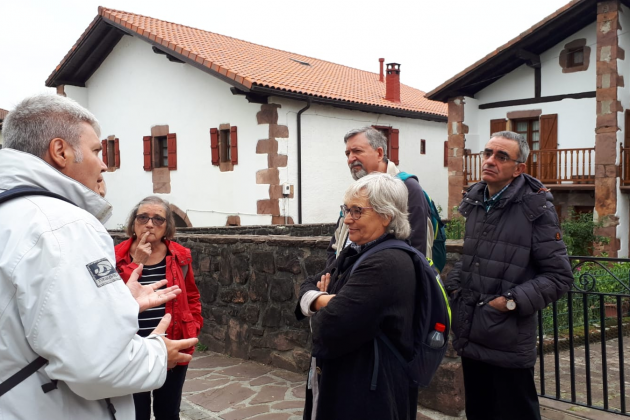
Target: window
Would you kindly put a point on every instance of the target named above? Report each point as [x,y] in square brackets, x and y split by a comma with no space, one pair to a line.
[392,135]
[423,147]
[111,152]
[575,57]
[160,149]
[530,129]
[224,147]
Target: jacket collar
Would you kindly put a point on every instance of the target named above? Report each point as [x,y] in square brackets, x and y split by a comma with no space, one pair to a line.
[20,168]
[521,186]
[181,254]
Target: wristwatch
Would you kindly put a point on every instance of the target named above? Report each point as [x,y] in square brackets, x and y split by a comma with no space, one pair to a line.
[511,303]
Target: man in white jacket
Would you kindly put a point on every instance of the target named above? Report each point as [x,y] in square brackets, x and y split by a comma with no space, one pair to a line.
[60,295]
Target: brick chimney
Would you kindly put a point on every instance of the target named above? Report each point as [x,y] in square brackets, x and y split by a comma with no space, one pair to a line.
[392,83]
[381,61]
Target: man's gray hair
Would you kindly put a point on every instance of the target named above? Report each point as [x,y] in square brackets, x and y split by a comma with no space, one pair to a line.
[38,119]
[375,138]
[523,147]
[387,196]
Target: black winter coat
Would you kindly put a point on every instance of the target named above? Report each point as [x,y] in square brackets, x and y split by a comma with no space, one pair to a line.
[515,248]
[379,296]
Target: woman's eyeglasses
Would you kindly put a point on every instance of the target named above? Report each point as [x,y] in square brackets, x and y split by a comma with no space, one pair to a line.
[143,219]
[355,212]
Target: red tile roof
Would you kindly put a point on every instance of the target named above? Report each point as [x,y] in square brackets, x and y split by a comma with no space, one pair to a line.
[252,65]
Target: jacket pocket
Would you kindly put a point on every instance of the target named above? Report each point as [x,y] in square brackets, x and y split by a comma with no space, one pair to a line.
[494,329]
[190,329]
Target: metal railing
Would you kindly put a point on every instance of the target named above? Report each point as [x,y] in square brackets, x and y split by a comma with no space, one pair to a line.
[581,338]
[550,166]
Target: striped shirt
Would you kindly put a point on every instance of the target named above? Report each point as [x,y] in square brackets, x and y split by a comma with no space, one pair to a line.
[150,318]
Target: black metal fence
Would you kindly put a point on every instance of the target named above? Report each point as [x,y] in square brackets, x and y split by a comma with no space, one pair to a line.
[582,337]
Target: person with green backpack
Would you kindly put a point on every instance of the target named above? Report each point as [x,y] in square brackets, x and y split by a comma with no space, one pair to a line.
[366,151]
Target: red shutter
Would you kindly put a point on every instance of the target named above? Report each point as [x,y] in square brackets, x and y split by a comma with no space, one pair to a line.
[234,145]
[214,145]
[104,151]
[446,153]
[171,139]
[393,142]
[116,153]
[498,125]
[146,142]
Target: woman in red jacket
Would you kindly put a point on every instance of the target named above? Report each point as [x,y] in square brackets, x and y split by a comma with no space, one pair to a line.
[151,227]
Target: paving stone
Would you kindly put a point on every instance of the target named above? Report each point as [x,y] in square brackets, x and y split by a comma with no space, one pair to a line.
[213,362]
[287,405]
[246,370]
[244,413]
[263,380]
[270,393]
[197,385]
[273,416]
[221,398]
[192,374]
[289,376]
[299,391]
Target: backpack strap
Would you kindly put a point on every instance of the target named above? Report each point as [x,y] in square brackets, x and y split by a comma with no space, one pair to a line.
[23,191]
[21,375]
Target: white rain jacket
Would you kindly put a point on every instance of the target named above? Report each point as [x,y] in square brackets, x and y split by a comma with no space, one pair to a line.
[61,298]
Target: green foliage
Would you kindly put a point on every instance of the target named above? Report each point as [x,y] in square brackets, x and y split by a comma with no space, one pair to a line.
[455,225]
[201,347]
[579,233]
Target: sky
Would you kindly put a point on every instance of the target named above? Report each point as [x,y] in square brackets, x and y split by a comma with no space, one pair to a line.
[432,40]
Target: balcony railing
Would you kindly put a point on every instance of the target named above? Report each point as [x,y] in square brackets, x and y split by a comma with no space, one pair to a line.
[551,166]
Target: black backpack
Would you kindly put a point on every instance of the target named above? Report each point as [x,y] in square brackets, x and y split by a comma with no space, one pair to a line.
[431,307]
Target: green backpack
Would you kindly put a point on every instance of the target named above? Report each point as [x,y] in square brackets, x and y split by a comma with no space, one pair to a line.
[439,232]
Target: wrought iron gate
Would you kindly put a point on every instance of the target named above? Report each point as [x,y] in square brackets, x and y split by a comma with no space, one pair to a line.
[582,337]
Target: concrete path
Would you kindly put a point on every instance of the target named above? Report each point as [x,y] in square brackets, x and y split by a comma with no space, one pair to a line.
[224,388]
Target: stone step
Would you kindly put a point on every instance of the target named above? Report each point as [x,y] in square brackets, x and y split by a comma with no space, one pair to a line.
[557,410]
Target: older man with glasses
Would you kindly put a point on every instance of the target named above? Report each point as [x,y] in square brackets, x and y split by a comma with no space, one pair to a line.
[514,263]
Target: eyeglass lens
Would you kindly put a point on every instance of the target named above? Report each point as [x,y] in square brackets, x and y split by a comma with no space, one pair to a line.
[500,156]
[144,219]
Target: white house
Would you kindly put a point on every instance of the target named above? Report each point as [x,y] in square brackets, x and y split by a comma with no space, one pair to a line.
[561,83]
[233,132]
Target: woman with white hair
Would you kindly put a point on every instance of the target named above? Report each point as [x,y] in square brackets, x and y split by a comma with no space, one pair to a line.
[351,305]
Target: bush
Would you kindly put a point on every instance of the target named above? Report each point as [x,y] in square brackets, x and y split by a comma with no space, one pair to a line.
[455,225]
[579,233]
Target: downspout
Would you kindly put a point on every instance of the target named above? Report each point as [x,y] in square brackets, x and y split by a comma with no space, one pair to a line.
[299,157]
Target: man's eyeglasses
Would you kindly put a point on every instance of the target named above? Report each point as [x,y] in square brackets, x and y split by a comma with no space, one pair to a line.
[143,219]
[355,212]
[499,156]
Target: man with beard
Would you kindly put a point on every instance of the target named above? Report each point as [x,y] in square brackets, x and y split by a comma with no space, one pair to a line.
[366,150]
[514,263]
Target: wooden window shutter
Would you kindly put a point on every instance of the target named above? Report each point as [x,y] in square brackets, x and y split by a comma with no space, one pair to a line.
[104,151]
[548,161]
[393,142]
[214,145]
[171,139]
[234,145]
[498,125]
[117,153]
[146,143]
[446,153]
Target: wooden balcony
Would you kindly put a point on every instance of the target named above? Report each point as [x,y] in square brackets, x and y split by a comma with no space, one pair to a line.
[562,167]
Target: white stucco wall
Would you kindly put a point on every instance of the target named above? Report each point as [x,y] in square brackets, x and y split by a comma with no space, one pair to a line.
[554,82]
[623,94]
[519,83]
[135,89]
[79,94]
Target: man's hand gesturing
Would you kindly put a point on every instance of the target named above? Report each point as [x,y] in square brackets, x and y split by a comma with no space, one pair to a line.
[148,296]
[174,346]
